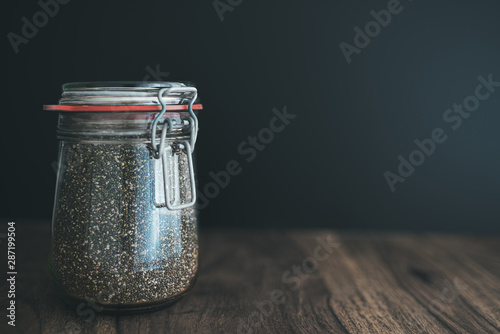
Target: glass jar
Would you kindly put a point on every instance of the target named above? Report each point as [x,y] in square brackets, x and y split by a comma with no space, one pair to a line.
[124,229]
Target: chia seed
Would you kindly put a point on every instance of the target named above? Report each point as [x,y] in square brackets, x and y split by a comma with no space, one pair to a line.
[112,239]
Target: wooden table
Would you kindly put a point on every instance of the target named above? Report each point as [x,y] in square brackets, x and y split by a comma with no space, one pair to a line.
[294,282]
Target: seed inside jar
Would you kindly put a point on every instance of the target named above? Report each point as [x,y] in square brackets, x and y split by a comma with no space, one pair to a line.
[112,239]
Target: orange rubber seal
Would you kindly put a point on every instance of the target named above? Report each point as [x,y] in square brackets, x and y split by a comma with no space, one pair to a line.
[172,107]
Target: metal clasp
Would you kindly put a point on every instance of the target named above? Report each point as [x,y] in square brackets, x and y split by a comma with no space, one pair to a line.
[164,151]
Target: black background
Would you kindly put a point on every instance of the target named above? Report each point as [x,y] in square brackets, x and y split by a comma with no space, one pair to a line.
[353,120]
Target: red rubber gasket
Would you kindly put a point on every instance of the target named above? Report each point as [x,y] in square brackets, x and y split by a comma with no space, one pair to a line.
[172,107]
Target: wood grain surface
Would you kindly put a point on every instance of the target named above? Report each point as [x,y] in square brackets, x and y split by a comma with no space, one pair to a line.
[293,282]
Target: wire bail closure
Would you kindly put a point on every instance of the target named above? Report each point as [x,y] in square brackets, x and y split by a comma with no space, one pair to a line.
[162,151]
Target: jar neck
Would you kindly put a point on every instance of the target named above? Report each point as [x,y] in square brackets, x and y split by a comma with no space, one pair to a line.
[120,126]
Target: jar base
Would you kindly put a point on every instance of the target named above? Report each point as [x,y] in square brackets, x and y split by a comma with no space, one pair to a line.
[121,308]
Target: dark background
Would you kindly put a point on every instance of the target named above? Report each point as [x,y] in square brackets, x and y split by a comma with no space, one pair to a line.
[353,120]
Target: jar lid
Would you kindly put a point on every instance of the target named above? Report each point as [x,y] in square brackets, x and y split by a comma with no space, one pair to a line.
[123,96]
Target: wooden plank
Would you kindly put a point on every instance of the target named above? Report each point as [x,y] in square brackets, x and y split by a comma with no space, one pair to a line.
[475,305]
[392,283]
[409,284]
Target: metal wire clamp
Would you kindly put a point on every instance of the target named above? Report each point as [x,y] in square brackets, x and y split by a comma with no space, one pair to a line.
[164,151]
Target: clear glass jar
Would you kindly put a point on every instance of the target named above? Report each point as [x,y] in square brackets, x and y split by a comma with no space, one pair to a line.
[124,229]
